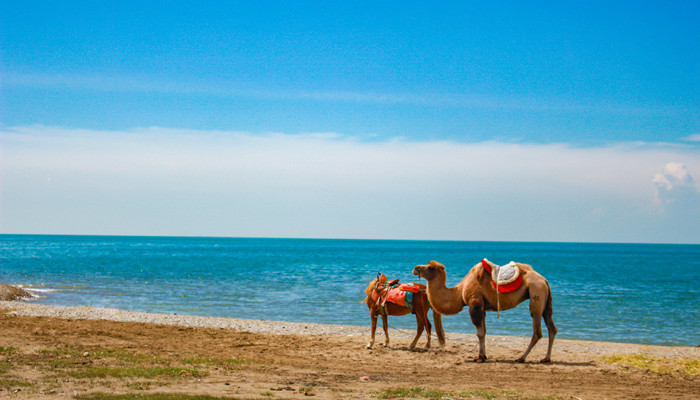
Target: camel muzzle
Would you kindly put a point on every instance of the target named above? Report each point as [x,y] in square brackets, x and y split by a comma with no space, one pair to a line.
[417,271]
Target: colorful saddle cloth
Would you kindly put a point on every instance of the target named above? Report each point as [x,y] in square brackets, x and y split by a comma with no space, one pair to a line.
[402,294]
[508,276]
[400,297]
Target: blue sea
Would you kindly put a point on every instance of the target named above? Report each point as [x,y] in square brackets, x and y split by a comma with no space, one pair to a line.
[634,293]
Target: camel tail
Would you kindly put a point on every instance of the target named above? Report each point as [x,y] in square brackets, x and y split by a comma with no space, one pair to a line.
[437,321]
[548,308]
[369,290]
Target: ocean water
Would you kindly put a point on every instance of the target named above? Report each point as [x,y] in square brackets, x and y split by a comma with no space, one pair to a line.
[634,293]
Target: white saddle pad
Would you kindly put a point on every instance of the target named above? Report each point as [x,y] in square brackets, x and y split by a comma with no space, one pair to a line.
[504,274]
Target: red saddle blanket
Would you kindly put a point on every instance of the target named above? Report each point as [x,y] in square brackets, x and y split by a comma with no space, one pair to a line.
[397,296]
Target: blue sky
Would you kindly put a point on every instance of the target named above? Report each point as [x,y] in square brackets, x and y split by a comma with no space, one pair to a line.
[575,121]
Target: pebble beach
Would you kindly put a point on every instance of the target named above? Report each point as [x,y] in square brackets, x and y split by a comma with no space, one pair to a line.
[27,308]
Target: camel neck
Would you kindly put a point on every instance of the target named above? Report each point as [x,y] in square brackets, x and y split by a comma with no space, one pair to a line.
[445,300]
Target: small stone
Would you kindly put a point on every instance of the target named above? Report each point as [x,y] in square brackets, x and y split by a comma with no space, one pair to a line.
[364,378]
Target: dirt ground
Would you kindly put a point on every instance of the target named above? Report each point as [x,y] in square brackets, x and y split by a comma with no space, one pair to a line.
[42,357]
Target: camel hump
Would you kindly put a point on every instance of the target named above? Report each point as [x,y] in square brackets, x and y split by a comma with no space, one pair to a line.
[506,277]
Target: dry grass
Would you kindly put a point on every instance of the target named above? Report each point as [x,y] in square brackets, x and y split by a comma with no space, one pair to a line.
[427,393]
[664,365]
[93,364]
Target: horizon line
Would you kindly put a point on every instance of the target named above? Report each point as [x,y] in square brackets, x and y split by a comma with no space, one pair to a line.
[335,238]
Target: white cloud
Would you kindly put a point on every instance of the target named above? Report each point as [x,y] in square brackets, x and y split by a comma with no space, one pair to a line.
[693,138]
[674,184]
[674,175]
[189,182]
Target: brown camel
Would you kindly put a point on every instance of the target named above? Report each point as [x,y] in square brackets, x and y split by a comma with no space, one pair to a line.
[378,305]
[477,292]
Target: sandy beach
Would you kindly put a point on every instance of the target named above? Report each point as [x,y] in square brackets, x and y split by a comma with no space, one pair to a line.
[75,352]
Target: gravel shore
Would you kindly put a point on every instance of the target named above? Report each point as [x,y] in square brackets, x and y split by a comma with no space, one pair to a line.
[581,347]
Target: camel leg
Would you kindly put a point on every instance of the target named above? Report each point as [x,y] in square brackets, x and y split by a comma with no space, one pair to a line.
[536,310]
[373,329]
[551,328]
[437,320]
[478,315]
[419,331]
[536,335]
[421,309]
[427,328]
[385,325]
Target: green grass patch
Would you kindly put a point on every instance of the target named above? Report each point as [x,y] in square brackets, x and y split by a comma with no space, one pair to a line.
[226,363]
[147,396]
[118,354]
[140,385]
[664,365]
[4,367]
[100,363]
[133,372]
[233,363]
[199,361]
[122,355]
[155,396]
[63,351]
[410,392]
[427,393]
[9,350]
[13,383]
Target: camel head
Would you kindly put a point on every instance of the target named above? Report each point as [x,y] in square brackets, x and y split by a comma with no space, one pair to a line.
[430,270]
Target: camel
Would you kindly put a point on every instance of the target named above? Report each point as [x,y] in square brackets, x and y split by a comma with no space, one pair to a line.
[379,306]
[477,292]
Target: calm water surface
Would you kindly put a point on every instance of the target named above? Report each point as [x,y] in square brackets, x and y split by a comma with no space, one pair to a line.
[637,293]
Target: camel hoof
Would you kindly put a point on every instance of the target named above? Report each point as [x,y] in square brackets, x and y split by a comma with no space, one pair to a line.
[545,360]
[480,359]
[368,347]
[520,360]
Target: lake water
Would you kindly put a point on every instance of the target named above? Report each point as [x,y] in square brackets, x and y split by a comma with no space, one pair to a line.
[635,293]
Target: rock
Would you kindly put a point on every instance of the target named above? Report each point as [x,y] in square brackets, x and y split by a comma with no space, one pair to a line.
[11,293]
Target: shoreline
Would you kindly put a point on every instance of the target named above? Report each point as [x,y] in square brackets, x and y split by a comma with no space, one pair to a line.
[582,347]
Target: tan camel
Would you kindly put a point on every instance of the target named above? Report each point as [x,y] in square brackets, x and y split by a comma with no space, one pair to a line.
[378,306]
[477,292]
